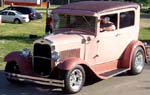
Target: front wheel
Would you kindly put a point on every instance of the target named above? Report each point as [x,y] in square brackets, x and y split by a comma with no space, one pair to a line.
[138,61]
[74,79]
[17,21]
[12,67]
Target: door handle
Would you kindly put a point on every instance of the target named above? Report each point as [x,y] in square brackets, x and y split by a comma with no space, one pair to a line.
[97,41]
[117,35]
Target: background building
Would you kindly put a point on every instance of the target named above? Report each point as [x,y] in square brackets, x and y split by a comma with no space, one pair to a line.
[61,2]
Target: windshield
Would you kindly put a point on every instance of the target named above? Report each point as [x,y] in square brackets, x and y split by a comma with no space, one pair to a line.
[86,23]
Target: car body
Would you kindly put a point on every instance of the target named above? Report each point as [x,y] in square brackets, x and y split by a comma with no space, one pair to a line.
[13,17]
[147,11]
[77,50]
[33,14]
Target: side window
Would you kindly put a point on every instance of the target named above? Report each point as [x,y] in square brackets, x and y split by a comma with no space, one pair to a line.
[24,10]
[20,10]
[127,19]
[108,22]
[11,14]
[13,8]
[3,13]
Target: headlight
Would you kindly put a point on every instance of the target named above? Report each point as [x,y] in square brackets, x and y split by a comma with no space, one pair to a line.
[55,56]
[26,52]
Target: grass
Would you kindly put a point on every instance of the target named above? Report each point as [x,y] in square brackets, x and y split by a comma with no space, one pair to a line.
[15,37]
[144,34]
[145,27]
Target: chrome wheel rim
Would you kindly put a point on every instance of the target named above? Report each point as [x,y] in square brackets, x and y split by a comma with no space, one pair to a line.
[76,78]
[139,61]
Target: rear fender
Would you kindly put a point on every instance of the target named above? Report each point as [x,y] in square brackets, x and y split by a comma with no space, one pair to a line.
[24,63]
[127,55]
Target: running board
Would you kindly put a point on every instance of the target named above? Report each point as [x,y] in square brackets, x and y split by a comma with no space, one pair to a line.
[37,80]
[113,72]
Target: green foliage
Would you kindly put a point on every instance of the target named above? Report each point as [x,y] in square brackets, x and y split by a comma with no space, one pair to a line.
[144,2]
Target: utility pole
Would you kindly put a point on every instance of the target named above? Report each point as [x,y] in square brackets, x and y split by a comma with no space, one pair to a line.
[68,1]
[41,3]
[47,9]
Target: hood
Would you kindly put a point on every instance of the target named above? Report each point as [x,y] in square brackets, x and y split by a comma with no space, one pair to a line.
[66,40]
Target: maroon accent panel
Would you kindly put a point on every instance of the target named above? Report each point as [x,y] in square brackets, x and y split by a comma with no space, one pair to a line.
[127,56]
[70,63]
[24,63]
[94,6]
[70,53]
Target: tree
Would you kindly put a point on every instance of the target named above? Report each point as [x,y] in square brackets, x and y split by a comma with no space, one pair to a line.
[68,1]
[144,2]
[1,3]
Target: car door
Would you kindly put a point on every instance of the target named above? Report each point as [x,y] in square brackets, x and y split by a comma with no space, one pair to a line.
[4,16]
[127,29]
[11,16]
[107,47]
[108,43]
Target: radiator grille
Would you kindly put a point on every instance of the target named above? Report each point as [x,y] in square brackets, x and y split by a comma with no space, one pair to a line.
[42,59]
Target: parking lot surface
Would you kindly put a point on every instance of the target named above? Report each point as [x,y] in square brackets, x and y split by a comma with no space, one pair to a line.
[120,85]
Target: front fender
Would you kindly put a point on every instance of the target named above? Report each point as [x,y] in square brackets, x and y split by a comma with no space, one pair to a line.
[70,63]
[127,55]
[24,63]
[13,56]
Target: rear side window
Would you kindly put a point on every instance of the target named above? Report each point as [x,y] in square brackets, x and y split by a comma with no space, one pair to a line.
[22,10]
[127,19]
[11,14]
[32,10]
[25,10]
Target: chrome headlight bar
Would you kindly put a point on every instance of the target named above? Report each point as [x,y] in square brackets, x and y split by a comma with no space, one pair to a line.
[26,52]
[55,56]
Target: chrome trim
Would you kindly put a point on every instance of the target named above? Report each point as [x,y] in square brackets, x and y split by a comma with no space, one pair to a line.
[42,57]
[37,80]
[45,41]
[25,52]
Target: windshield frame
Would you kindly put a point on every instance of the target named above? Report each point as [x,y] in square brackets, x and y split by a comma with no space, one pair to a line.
[92,30]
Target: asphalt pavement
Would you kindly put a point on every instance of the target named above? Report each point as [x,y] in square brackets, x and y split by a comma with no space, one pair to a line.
[119,85]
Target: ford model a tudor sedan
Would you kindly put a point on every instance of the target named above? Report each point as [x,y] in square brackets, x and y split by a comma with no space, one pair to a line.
[78,49]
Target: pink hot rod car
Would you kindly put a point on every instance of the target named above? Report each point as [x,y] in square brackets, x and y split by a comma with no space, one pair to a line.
[78,49]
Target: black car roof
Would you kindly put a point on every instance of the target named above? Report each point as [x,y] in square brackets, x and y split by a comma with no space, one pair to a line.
[91,8]
[20,7]
[97,6]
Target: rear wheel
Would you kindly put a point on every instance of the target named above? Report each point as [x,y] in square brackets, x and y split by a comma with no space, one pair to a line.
[138,61]
[12,67]
[74,79]
[17,21]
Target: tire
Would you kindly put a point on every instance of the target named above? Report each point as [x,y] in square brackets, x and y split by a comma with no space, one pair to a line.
[17,21]
[74,80]
[12,67]
[138,61]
